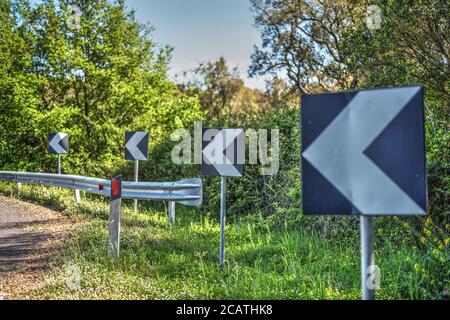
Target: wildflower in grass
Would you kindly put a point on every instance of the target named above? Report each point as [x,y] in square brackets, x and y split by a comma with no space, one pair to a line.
[417,267]
[427,231]
[436,253]
[423,240]
[331,293]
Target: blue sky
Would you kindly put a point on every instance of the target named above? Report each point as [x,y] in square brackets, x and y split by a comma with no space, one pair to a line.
[203,30]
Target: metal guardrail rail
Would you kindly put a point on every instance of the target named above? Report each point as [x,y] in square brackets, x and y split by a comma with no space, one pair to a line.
[187,192]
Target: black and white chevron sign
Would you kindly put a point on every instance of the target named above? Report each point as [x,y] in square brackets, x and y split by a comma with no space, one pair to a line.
[223,152]
[363,152]
[136,145]
[58,143]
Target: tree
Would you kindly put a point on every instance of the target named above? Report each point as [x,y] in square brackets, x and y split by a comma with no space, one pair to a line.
[219,85]
[223,94]
[280,94]
[302,39]
[100,75]
[327,45]
[19,89]
[412,46]
[334,45]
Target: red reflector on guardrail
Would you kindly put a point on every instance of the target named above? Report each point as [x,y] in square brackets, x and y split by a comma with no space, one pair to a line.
[116,188]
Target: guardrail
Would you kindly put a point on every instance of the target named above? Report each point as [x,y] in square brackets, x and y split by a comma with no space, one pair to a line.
[187,192]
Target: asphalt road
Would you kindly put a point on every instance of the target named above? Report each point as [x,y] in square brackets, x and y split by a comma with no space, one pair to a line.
[29,238]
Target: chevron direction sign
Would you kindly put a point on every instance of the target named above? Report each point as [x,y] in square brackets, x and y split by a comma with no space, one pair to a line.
[363,153]
[223,152]
[136,145]
[58,143]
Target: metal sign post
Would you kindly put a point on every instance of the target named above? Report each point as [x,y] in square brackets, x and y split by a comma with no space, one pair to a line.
[367,257]
[136,148]
[363,153]
[59,163]
[223,213]
[136,179]
[223,155]
[114,217]
[58,143]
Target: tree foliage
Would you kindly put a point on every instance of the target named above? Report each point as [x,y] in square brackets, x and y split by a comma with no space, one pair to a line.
[94,80]
[412,46]
[329,45]
[226,99]
[303,40]
[325,45]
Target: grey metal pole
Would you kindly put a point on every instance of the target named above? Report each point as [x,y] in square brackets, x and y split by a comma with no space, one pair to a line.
[223,211]
[171,213]
[77,196]
[115,206]
[114,229]
[367,256]
[59,164]
[136,179]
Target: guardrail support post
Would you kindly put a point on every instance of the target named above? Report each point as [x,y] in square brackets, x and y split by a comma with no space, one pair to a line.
[114,218]
[114,229]
[171,213]
[77,196]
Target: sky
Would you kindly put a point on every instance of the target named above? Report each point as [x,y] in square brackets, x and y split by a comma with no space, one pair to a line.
[201,31]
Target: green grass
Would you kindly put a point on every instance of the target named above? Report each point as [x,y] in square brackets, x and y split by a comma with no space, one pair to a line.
[265,260]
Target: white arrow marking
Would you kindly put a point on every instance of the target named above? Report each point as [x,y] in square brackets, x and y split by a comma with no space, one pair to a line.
[337,153]
[132,145]
[214,152]
[54,143]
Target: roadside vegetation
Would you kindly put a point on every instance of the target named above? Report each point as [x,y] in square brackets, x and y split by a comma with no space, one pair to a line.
[267,257]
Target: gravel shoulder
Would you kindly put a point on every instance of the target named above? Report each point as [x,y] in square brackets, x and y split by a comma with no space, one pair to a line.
[30,238]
